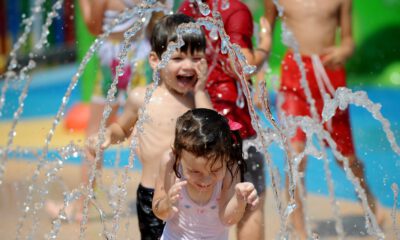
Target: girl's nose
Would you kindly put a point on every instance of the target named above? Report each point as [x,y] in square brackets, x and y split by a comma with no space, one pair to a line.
[207,179]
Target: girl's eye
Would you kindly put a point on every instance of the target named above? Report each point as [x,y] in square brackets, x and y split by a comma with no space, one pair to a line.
[197,59]
[194,171]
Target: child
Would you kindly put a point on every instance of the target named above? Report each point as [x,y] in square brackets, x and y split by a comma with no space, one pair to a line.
[198,191]
[97,15]
[315,27]
[181,88]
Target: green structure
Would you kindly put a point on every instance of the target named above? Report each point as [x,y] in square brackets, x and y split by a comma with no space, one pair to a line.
[376,30]
[84,40]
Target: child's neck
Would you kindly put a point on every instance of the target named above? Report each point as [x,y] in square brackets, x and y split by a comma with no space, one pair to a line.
[199,197]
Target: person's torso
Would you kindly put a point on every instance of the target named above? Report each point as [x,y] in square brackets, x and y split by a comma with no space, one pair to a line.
[158,130]
[194,221]
[313,23]
[111,49]
[113,9]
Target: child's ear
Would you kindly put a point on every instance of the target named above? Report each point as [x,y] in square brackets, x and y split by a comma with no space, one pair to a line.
[153,60]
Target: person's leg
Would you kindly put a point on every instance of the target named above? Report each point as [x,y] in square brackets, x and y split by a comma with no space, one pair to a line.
[74,210]
[297,216]
[295,104]
[252,225]
[150,226]
[96,114]
[357,167]
[342,135]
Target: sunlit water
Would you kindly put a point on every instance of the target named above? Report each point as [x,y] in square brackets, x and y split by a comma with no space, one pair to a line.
[16,104]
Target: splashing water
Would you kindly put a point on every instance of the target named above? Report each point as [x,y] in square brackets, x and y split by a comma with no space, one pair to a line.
[330,105]
[279,134]
[60,113]
[393,214]
[240,64]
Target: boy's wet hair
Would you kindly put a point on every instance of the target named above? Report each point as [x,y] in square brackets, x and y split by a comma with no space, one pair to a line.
[165,31]
[206,133]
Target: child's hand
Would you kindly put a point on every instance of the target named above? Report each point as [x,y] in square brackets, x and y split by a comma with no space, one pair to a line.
[201,72]
[246,192]
[174,193]
[92,141]
[265,35]
[334,57]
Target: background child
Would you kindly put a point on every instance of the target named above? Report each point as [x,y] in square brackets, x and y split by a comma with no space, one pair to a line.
[315,27]
[181,88]
[97,16]
[198,191]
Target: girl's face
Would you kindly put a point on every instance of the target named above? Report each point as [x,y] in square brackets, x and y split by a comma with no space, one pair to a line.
[200,173]
[180,73]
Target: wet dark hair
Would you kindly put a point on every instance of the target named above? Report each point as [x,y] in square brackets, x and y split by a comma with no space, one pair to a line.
[165,31]
[206,133]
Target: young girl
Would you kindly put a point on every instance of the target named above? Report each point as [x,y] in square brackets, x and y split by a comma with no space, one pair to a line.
[198,191]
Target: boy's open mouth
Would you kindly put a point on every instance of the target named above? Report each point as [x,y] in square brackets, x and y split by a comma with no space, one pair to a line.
[186,79]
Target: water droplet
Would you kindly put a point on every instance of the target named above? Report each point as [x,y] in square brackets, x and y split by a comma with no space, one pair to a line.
[214,34]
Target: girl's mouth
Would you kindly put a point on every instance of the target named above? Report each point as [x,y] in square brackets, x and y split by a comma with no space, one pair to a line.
[203,186]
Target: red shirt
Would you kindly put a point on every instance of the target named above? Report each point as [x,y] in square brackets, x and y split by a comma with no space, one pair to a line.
[221,83]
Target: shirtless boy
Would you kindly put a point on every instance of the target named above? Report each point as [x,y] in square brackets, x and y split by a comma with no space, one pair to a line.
[314,25]
[182,88]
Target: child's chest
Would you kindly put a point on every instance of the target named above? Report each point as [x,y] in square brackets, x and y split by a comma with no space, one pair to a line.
[163,110]
[204,211]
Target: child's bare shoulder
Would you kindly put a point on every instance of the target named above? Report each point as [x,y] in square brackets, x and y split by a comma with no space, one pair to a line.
[137,95]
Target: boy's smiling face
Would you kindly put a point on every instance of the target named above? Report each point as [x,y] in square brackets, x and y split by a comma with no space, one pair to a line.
[180,74]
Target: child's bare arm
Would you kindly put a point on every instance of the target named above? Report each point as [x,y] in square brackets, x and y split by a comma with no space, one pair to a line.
[167,190]
[93,14]
[122,129]
[336,56]
[238,30]
[270,12]
[201,97]
[260,53]
[127,120]
[347,42]
[234,198]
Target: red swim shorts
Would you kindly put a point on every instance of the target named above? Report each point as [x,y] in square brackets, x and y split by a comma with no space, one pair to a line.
[295,101]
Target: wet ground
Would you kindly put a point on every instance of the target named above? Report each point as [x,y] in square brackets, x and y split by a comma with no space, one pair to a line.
[13,193]
[19,173]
